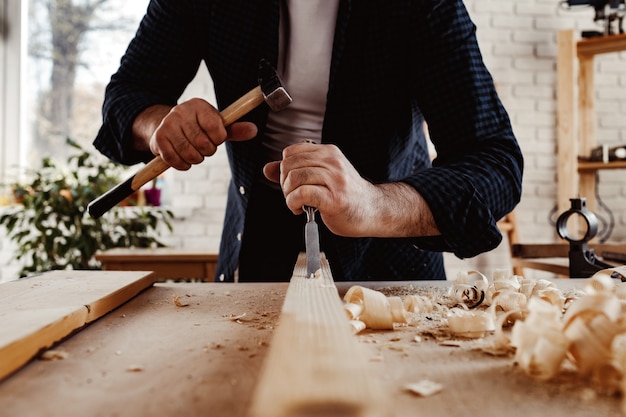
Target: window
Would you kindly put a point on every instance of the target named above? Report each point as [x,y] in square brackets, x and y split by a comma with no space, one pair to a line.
[10,57]
[57,57]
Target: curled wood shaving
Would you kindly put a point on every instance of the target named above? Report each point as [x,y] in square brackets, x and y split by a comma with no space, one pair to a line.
[470,324]
[418,304]
[353,310]
[467,295]
[53,354]
[469,288]
[378,311]
[500,345]
[357,326]
[178,302]
[539,342]
[589,330]
[424,388]
[236,318]
[508,301]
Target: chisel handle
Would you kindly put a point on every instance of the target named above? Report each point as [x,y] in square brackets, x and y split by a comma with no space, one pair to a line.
[157,166]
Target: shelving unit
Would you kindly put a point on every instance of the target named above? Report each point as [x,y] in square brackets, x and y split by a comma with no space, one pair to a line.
[576,118]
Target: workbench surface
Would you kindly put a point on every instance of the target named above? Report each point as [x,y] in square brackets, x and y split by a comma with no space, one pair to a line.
[196,349]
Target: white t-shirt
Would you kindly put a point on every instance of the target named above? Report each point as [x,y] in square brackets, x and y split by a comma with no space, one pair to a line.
[307,29]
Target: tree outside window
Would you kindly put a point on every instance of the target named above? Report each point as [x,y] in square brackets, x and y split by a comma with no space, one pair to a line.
[74,46]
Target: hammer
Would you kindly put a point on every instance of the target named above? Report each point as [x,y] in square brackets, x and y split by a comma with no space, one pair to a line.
[270,90]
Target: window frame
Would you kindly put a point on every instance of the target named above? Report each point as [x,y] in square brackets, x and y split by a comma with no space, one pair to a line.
[11,59]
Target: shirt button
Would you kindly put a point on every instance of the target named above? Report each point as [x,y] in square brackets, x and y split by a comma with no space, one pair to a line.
[239,237]
[222,277]
[242,190]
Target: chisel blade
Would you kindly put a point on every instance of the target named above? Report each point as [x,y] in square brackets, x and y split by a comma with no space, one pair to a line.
[312,242]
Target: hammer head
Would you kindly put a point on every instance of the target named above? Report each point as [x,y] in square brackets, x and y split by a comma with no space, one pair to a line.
[274,92]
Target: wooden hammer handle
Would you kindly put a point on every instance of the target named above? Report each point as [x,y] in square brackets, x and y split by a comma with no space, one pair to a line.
[157,166]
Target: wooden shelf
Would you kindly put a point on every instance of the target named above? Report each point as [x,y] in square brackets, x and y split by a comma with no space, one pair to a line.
[602,45]
[594,166]
[576,118]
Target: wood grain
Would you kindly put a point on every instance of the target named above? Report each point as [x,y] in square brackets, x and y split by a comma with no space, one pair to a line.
[37,312]
[315,366]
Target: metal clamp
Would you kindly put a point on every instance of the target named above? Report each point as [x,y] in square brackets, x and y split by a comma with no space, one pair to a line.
[582,260]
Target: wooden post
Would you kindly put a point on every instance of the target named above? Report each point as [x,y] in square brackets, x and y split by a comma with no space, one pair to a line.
[567,133]
[587,126]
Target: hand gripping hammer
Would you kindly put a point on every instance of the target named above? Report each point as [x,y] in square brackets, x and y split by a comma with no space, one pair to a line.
[270,90]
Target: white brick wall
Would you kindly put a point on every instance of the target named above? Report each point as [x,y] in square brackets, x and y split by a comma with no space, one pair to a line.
[518,41]
[9,268]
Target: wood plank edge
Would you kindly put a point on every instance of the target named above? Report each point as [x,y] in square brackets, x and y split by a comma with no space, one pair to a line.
[118,297]
[17,354]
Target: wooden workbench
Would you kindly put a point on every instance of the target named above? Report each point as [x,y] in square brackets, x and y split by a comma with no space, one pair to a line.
[203,355]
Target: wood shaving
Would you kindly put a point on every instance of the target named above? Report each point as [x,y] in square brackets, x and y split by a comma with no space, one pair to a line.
[470,324]
[180,303]
[424,388]
[237,318]
[53,355]
[376,310]
[548,332]
[357,326]
[539,342]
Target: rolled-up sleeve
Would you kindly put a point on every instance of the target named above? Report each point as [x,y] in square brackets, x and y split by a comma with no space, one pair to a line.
[160,61]
[476,177]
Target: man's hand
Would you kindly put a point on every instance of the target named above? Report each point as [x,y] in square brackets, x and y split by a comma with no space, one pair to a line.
[184,134]
[321,176]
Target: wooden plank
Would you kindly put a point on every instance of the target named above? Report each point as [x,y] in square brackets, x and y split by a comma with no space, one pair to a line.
[315,365]
[37,312]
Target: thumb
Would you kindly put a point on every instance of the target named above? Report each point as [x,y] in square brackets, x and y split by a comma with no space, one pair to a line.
[241,131]
[271,170]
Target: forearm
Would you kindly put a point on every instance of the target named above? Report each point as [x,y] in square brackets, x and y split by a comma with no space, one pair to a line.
[400,211]
[145,125]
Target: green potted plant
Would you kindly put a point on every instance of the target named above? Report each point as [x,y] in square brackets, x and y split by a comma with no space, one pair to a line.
[52,227]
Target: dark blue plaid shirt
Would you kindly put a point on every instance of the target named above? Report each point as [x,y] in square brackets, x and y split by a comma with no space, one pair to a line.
[394,64]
